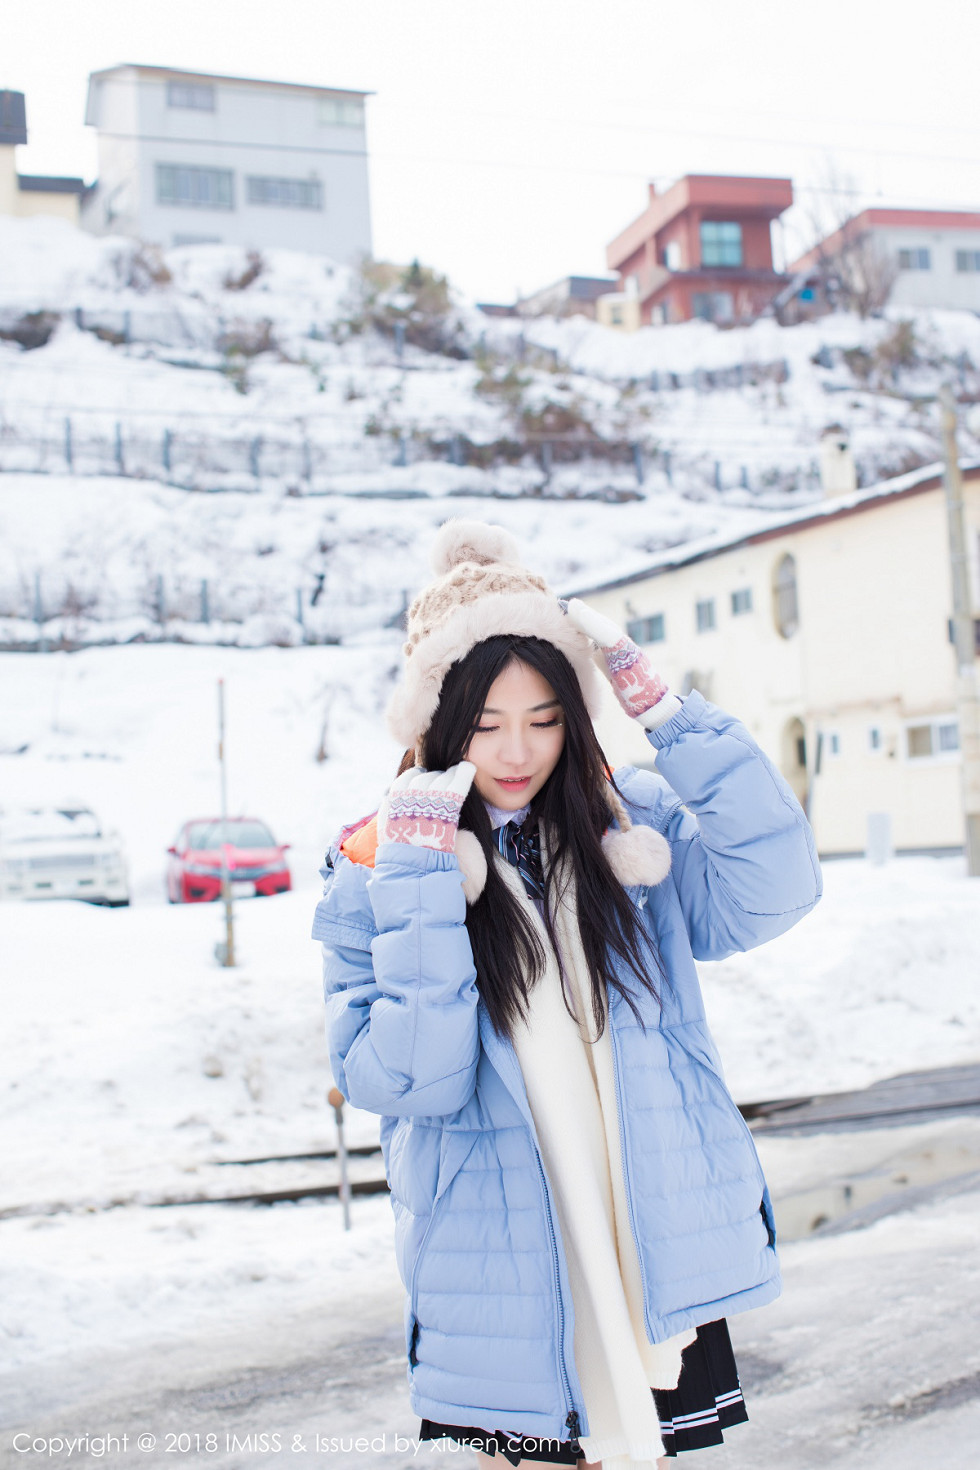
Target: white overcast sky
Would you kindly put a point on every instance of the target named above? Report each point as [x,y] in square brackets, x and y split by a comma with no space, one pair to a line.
[511,139]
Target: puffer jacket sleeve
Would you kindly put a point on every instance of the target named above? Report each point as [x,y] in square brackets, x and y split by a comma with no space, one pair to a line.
[743,859]
[401,994]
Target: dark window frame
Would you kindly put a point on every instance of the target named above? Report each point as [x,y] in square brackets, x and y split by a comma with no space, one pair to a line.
[179,186]
[718,249]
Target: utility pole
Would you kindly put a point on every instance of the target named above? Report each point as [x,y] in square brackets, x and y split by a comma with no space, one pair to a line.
[964,635]
[225,952]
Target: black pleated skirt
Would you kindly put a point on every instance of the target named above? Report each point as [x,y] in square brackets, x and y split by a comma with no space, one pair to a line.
[706,1401]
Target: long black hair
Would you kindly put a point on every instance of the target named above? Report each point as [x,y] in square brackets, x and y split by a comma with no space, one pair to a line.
[507,951]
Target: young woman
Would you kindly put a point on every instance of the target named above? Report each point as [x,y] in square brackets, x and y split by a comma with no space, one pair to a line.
[509,950]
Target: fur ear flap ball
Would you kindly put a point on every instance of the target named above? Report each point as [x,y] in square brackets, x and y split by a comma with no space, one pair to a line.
[461,540]
[637,856]
[472,864]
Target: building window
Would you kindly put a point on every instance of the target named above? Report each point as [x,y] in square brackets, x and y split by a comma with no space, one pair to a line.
[929,738]
[199,188]
[705,614]
[721,242]
[741,601]
[915,260]
[713,306]
[195,95]
[833,743]
[285,193]
[785,609]
[647,630]
[968,260]
[874,738]
[339,112]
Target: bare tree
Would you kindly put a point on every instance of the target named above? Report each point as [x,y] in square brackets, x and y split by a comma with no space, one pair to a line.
[856,272]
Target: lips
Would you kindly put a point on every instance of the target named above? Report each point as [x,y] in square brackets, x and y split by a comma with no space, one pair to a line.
[512,785]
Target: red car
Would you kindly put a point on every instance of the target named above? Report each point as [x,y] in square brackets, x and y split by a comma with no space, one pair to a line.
[256,861]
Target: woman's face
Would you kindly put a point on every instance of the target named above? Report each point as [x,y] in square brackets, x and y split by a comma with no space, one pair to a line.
[516,745]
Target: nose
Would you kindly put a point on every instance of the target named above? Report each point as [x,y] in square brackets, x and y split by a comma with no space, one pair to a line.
[515,748]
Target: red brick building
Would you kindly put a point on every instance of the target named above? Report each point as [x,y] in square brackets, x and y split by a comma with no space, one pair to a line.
[703,249]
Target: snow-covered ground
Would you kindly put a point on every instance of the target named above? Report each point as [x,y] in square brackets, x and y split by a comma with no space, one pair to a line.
[132,1061]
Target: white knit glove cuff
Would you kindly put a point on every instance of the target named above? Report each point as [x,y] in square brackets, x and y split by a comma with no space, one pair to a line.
[665,709]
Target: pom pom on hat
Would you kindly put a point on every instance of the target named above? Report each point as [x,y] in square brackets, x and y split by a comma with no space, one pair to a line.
[472,864]
[474,541]
[639,856]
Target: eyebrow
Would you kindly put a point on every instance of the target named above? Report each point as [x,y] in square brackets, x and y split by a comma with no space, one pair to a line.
[548,704]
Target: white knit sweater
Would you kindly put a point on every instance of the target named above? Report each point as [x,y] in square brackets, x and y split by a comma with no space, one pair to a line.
[570,1086]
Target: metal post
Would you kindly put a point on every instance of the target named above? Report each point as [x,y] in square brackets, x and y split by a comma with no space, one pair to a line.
[69,455]
[205,601]
[39,614]
[120,466]
[167,442]
[967,690]
[336,1100]
[225,952]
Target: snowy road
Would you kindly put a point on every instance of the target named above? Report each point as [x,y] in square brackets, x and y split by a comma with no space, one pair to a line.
[870,1360]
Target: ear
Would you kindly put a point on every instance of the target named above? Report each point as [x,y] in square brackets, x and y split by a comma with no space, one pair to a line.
[472,864]
[637,856]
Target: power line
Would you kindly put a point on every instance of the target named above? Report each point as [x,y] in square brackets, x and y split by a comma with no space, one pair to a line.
[675,130]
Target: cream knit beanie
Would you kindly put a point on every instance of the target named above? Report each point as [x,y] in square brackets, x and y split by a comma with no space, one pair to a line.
[481,590]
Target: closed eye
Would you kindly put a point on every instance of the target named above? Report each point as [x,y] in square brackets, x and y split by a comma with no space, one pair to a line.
[535,725]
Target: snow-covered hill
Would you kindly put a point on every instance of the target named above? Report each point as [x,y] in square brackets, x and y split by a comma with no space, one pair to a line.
[292,385]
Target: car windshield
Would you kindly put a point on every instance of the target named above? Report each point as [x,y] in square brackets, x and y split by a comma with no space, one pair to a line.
[50,823]
[205,835]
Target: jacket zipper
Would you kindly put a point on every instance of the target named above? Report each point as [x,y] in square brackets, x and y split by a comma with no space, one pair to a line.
[626,1178]
[571,1419]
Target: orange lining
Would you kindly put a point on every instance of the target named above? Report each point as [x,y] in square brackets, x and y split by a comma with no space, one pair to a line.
[361,846]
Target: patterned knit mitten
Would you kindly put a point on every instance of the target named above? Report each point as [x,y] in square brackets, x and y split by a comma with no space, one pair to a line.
[638,687]
[422,807]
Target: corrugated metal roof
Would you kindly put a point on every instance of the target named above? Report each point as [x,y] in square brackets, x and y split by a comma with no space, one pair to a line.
[816,513]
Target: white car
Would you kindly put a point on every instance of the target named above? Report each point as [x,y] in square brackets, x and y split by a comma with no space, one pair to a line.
[61,852]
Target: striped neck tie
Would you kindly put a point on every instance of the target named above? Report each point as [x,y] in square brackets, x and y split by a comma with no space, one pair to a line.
[521,846]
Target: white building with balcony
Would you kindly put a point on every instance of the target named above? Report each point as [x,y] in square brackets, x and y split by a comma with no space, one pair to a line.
[191,158]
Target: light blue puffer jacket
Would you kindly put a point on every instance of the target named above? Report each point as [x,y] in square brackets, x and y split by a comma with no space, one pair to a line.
[488,1318]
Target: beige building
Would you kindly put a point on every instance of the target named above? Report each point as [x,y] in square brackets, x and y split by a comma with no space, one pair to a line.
[828,633]
[26,194]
